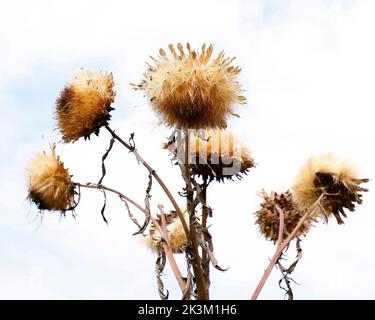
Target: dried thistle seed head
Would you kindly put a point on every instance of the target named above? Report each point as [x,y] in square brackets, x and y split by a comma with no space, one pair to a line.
[84,105]
[268,219]
[191,90]
[334,178]
[176,233]
[218,154]
[49,183]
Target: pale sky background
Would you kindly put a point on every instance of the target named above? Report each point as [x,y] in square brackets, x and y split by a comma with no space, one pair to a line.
[308,73]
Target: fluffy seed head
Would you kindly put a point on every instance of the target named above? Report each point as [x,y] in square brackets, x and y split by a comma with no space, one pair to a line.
[191,90]
[215,154]
[49,183]
[334,178]
[176,234]
[268,219]
[84,105]
[219,155]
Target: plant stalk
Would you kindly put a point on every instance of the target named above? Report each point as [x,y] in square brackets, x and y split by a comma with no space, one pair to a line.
[162,230]
[282,245]
[155,175]
[205,259]
[100,186]
[168,252]
[197,263]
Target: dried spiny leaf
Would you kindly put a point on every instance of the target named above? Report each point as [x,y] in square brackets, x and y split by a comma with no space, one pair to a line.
[205,240]
[105,155]
[286,272]
[188,289]
[147,210]
[131,216]
[159,268]
[102,211]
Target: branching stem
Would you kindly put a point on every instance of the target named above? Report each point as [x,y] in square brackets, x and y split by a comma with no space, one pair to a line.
[155,175]
[162,229]
[121,195]
[197,262]
[167,248]
[281,245]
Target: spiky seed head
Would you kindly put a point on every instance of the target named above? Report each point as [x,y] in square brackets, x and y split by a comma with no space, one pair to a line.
[84,105]
[176,233]
[215,154]
[191,90]
[336,179]
[49,183]
[268,218]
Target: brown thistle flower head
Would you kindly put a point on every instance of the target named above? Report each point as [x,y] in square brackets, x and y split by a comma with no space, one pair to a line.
[334,178]
[191,90]
[176,234]
[216,154]
[49,183]
[268,219]
[84,105]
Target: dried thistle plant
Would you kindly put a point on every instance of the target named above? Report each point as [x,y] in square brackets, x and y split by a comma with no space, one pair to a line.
[332,177]
[49,182]
[191,90]
[176,234]
[84,105]
[268,218]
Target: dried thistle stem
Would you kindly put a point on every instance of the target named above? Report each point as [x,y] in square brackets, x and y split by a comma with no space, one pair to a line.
[205,258]
[155,175]
[275,257]
[167,248]
[281,225]
[204,207]
[282,244]
[162,230]
[201,282]
[121,195]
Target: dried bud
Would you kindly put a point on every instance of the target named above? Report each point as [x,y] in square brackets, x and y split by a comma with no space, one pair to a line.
[176,233]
